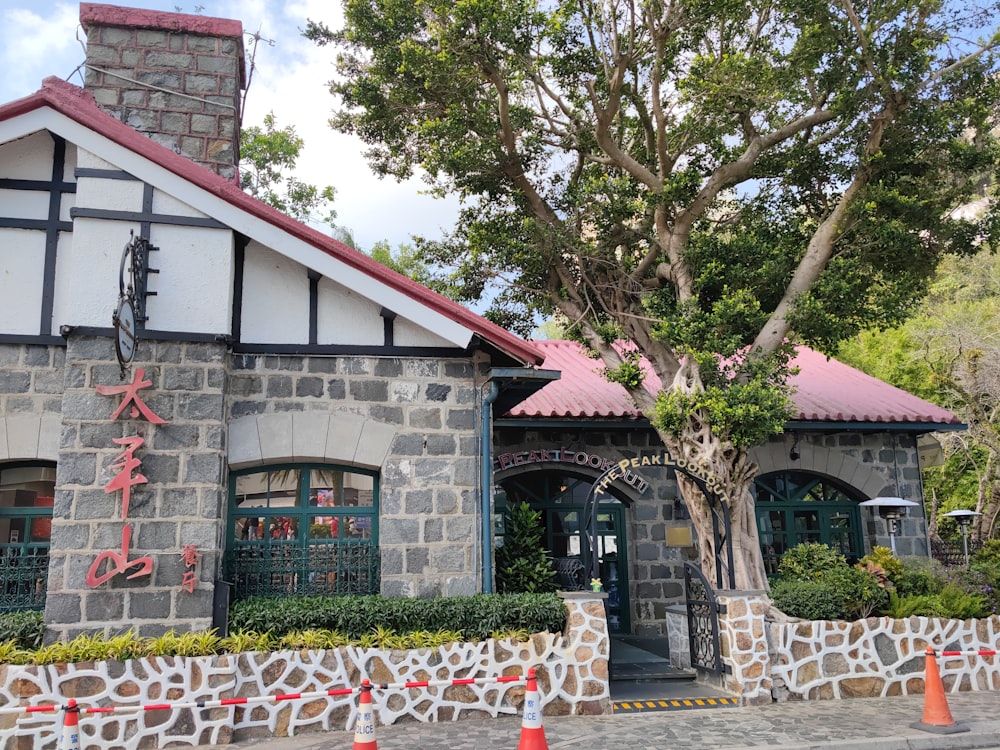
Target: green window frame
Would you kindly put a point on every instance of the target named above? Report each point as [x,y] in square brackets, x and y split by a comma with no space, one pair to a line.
[302,529]
[27,494]
[794,507]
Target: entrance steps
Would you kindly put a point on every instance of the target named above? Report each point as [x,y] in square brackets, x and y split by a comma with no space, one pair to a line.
[642,679]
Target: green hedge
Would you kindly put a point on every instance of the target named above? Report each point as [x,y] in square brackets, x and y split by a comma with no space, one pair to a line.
[26,628]
[476,617]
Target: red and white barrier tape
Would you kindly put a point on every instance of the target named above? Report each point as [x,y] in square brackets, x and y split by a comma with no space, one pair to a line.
[190,704]
[448,683]
[262,698]
[966,653]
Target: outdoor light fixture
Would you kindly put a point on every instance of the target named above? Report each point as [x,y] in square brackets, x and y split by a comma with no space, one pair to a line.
[680,512]
[794,454]
[964,518]
[892,509]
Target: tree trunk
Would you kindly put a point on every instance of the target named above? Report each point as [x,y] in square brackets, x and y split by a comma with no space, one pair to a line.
[734,472]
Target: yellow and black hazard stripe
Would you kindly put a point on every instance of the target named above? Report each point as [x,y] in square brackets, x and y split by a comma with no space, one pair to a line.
[672,704]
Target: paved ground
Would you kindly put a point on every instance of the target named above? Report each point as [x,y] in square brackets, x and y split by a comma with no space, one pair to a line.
[853,724]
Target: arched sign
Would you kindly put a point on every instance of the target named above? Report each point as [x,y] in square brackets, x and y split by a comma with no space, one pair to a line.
[710,486]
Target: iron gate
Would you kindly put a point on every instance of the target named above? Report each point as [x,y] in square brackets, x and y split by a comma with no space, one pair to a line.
[703,612]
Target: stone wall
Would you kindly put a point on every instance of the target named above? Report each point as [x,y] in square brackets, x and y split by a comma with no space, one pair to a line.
[429,484]
[180,503]
[879,656]
[31,385]
[572,670]
[743,644]
[876,464]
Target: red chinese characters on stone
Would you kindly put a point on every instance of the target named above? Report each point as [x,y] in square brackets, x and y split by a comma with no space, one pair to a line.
[190,557]
[111,563]
[118,562]
[126,463]
[131,393]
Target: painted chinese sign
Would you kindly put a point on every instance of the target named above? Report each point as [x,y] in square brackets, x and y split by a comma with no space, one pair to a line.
[111,563]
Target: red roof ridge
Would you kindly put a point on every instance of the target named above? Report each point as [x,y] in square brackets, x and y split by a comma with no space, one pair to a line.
[79,106]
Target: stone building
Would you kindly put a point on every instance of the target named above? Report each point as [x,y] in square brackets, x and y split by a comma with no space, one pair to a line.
[854,438]
[193,387]
[201,398]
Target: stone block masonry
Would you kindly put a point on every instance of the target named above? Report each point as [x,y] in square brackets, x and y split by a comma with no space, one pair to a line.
[174,77]
[180,503]
[428,478]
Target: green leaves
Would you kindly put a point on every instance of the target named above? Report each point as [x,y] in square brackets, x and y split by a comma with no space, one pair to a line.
[267,158]
[705,178]
[522,563]
[353,617]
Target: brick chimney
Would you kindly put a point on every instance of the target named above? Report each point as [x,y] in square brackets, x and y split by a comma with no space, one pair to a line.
[175,77]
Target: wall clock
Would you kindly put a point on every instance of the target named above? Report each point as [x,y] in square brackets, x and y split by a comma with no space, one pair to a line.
[125,333]
[125,316]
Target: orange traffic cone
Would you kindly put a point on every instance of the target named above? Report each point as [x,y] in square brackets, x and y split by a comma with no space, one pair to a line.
[71,727]
[364,729]
[532,734]
[937,715]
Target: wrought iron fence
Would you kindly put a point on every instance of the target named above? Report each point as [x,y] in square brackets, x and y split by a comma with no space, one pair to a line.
[24,576]
[276,568]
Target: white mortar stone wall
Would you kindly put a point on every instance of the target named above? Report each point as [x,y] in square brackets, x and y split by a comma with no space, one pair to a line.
[743,644]
[879,656]
[572,671]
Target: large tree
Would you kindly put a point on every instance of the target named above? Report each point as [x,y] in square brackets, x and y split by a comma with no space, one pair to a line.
[950,354]
[699,182]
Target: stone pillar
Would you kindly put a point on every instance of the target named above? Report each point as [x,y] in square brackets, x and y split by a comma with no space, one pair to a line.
[588,649]
[743,641]
[179,504]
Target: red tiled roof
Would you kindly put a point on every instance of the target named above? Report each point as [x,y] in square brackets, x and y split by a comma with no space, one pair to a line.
[78,105]
[825,391]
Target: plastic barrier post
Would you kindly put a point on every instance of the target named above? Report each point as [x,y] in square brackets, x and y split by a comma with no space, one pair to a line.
[532,733]
[71,727]
[937,715]
[364,729]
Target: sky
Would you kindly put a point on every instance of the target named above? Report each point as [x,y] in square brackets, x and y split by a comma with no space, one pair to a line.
[43,38]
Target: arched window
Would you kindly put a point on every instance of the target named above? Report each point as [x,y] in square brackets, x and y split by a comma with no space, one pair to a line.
[303,529]
[796,506]
[27,491]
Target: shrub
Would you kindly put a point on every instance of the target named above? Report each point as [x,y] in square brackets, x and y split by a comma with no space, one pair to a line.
[988,554]
[810,600]
[357,616]
[26,628]
[522,562]
[952,602]
[884,559]
[809,561]
[836,591]
[915,581]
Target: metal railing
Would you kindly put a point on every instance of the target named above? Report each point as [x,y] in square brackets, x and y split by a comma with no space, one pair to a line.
[703,612]
[24,576]
[328,568]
